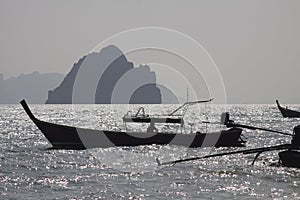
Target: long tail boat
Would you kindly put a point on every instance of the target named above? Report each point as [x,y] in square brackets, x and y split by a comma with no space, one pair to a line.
[289,155]
[67,137]
[287,112]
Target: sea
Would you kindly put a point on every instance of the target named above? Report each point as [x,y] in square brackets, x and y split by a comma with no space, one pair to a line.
[30,170]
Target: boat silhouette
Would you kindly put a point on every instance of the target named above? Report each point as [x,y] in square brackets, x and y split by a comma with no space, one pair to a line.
[68,137]
[287,112]
[289,155]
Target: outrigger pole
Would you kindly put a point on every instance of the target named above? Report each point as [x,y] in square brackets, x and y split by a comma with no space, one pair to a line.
[248,151]
[230,123]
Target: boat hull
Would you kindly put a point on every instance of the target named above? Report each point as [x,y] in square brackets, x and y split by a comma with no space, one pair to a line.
[67,137]
[287,112]
[290,158]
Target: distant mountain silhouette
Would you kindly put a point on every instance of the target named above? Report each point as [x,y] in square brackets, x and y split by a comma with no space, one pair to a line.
[63,93]
[30,86]
[107,77]
[168,97]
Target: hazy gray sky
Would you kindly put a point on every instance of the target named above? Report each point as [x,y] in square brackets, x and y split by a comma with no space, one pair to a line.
[255,43]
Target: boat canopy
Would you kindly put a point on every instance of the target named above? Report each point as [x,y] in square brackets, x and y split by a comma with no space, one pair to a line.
[175,117]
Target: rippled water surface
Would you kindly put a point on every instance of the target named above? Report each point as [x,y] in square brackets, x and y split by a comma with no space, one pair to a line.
[29,171]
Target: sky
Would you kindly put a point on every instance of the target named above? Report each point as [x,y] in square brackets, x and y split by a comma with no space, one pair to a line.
[255,44]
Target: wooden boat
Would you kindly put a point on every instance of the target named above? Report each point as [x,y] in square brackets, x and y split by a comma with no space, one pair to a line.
[141,117]
[287,112]
[67,137]
[173,118]
[290,157]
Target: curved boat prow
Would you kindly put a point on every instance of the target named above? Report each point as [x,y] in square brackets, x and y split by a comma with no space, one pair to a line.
[277,102]
[288,112]
[27,110]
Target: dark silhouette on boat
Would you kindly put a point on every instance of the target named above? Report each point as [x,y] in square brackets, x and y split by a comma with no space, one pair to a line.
[67,137]
[290,157]
[287,112]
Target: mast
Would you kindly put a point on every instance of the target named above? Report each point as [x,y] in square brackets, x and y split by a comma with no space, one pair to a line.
[187,94]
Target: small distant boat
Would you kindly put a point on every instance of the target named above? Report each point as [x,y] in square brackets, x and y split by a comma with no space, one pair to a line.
[67,137]
[287,112]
